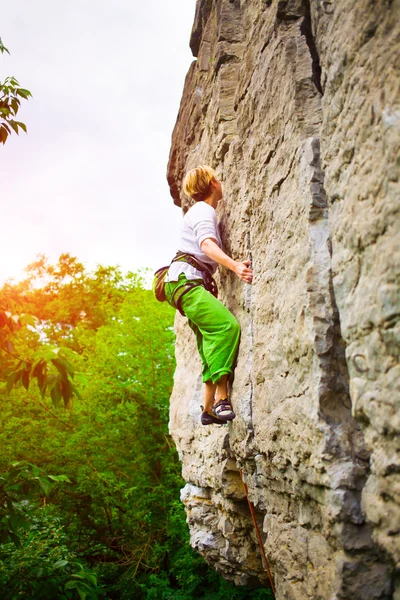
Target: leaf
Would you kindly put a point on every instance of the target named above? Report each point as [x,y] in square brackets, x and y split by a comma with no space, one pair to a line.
[15,104]
[14,126]
[3,48]
[28,320]
[42,383]
[25,378]
[22,125]
[60,563]
[3,135]
[59,478]
[23,93]
[70,585]
[56,393]
[9,346]
[40,372]
[92,578]
[64,366]
[44,484]
[38,367]
[59,364]
[13,378]
[67,392]
[82,594]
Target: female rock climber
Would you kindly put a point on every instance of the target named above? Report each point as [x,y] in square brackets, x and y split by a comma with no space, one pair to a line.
[216,329]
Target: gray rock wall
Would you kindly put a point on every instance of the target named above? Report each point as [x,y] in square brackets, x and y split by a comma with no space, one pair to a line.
[297,106]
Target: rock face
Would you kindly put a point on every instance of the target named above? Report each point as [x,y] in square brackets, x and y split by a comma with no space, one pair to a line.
[296,104]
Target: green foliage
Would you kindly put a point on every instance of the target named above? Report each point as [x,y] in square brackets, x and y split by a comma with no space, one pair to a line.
[43,566]
[17,486]
[37,562]
[10,101]
[50,367]
[3,48]
[111,525]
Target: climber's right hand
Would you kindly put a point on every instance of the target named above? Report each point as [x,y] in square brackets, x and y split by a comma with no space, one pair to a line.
[244,271]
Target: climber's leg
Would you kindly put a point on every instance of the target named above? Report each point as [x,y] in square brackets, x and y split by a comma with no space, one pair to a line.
[206,374]
[223,407]
[220,334]
[209,393]
[222,388]
[172,292]
[208,416]
[217,336]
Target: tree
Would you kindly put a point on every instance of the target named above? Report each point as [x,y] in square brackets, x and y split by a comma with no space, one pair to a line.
[113,522]
[37,348]
[10,101]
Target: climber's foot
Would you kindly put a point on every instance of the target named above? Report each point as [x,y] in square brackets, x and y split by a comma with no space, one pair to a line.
[223,410]
[211,418]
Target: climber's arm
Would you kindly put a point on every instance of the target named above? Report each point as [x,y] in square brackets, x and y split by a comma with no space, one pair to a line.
[242,269]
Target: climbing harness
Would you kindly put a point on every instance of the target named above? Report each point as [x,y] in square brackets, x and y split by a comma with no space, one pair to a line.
[266,563]
[159,280]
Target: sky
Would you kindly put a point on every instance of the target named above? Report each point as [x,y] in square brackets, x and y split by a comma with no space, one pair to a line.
[89,178]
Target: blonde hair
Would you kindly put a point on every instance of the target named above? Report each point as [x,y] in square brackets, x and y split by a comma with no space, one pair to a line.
[197,182]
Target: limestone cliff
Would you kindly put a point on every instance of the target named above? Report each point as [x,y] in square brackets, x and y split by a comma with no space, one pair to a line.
[296,104]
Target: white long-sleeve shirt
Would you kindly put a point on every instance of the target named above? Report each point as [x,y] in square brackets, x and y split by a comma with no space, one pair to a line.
[199,223]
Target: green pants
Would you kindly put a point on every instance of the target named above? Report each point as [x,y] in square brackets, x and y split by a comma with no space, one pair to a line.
[216,329]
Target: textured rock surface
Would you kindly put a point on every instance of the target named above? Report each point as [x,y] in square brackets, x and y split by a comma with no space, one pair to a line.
[297,106]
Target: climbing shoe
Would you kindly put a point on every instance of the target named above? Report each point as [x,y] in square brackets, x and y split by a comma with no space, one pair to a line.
[210,418]
[223,410]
